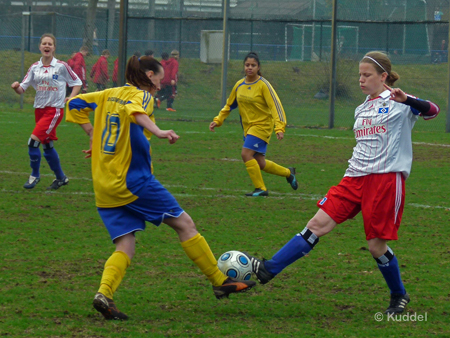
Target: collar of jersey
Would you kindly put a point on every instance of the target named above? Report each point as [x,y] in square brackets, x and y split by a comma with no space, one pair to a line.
[52,63]
[129,85]
[384,95]
[246,83]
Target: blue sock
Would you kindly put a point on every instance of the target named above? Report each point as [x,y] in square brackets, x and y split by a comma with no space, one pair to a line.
[296,248]
[53,161]
[35,160]
[388,266]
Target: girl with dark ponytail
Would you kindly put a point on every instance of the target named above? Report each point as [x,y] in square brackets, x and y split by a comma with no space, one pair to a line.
[126,192]
[261,112]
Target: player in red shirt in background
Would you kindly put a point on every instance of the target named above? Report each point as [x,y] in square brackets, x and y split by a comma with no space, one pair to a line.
[79,66]
[115,77]
[169,83]
[99,72]
[70,63]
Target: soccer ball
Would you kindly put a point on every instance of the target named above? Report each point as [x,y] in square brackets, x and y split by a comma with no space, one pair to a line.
[235,264]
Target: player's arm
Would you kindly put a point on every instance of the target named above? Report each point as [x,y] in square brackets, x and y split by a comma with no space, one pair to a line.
[276,109]
[20,88]
[143,120]
[428,109]
[226,110]
[77,111]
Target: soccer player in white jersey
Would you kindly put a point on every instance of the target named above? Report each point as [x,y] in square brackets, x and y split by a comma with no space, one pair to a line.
[374,182]
[49,77]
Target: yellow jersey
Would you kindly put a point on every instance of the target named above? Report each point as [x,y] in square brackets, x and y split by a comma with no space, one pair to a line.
[259,106]
[120,151]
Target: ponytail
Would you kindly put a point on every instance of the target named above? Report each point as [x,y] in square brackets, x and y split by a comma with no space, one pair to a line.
[136,69]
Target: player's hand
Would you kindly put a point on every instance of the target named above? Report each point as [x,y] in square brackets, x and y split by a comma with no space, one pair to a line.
[397,94]
[15,85]
[280,135]
[88,153]
[212,125]
[170,135]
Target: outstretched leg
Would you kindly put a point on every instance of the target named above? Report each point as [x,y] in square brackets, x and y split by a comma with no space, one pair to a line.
[198,250]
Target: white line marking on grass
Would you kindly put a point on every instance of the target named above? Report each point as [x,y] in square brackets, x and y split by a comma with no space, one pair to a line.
[45,175]
[278,195]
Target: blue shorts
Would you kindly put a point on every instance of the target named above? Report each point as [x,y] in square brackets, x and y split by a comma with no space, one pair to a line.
[256,144]
[154,204]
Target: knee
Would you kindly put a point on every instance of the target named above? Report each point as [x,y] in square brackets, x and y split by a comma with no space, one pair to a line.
[317,227]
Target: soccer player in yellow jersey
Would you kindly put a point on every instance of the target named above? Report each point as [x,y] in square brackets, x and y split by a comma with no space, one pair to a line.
[126,192]
[261,111]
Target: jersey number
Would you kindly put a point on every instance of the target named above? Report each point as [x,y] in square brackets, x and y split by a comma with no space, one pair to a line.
[111,133]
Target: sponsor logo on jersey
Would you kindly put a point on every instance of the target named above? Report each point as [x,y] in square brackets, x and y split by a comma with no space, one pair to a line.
[46,71]
[367,130]
[383,110]
[322,202]
[55,76]
[249,88]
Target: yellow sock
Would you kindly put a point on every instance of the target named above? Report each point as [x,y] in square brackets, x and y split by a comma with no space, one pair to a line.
[113,273]
[276,169]
[255,174]
[197,249]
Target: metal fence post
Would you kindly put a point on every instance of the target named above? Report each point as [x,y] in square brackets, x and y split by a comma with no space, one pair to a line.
[333,64]
[225,52]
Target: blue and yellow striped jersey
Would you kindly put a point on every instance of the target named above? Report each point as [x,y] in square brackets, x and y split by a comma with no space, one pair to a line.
[120,150]
[259,106]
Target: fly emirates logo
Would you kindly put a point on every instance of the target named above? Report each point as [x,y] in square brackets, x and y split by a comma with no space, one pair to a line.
[367,128]
[44,86]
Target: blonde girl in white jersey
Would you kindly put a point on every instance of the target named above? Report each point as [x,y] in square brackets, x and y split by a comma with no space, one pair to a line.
[49,77]
[374,182]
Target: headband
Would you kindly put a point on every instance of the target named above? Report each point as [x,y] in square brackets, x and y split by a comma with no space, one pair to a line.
[368,57]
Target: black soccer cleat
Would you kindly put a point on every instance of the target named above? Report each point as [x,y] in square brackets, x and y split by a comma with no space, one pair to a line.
[107,308]
[57,183]
[232,285]
[397,304]
[258,192]
[292,180]
[259,269]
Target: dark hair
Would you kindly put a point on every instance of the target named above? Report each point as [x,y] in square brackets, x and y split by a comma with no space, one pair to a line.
[165,56]
[149,52]
[384,61]
[136,69]
[137,53]
[253,55]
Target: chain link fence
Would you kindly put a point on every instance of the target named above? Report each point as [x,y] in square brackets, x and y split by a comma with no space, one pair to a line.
[292,38]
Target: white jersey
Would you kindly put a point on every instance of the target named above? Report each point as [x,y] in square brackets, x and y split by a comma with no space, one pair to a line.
[50,83]
[383,137]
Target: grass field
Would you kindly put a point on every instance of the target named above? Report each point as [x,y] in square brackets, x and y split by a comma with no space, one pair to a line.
[54,245]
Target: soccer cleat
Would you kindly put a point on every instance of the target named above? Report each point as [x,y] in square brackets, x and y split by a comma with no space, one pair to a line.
[57,183]
[31,183]
[232,285]
[397,304]
[107,308]
[259,269]
[170,109]
[291,179]
[258,192]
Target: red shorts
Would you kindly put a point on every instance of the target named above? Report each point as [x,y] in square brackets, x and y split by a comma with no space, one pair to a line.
[380,197]
[47,119]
